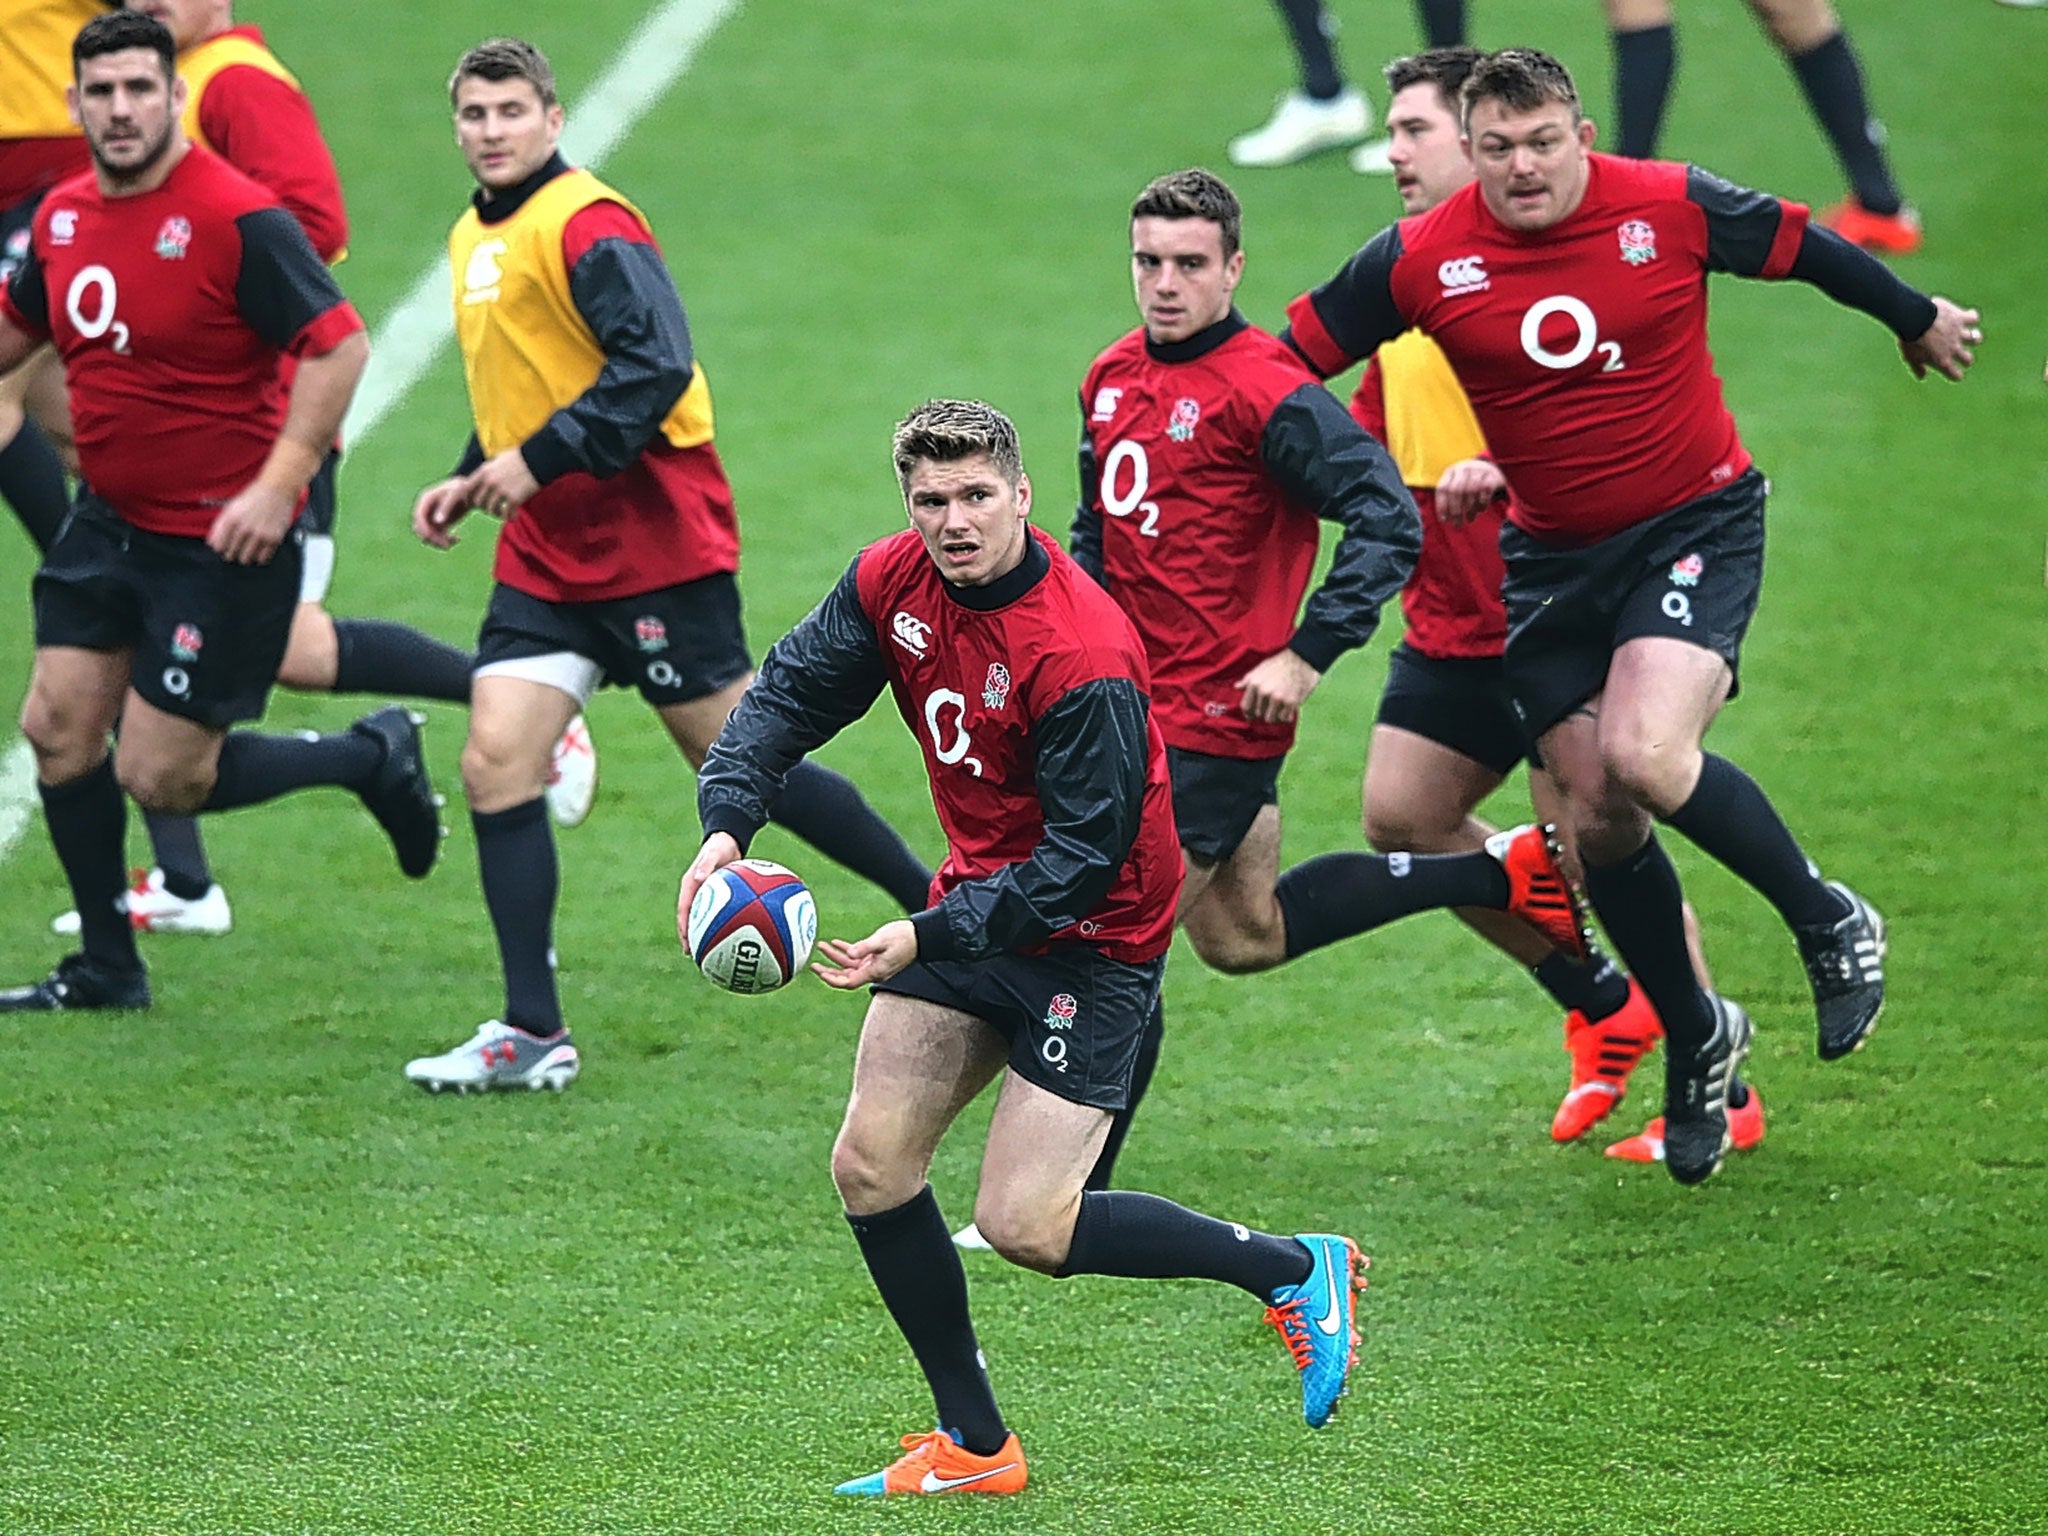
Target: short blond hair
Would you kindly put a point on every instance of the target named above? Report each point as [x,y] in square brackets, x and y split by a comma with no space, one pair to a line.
[947,431]
[506,58]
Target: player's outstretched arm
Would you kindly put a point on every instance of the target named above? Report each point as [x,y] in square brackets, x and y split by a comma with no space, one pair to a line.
[877,957]
[719,850]
[438,509]
[1945,346]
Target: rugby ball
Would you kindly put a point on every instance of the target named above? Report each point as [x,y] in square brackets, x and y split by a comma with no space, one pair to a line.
[751,926]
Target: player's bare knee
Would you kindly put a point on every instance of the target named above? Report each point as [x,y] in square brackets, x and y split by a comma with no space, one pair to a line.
[496,774]
[1654,772]
[165,786]
[1239,951]
[62,738]
[866,1178]
[1028,1238]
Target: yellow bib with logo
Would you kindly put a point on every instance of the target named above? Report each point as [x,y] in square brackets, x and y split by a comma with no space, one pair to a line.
[1430,425]
[35,65]
[526,350]
[202,61]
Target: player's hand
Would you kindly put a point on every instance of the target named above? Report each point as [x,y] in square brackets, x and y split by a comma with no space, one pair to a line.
[1946,345]
[503,485]
[1275,689]
[439,508]
[875,958]
[252,525]
[719,850]
[1463,490]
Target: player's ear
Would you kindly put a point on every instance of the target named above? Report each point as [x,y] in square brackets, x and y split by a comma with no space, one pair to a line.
[71,105]
[1588,132]
[1233,269]
[1023,494]
[177,95]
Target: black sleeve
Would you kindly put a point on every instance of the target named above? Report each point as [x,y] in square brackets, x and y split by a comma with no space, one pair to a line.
[1853,277]
[1089,754]
[283,285]
[1326,461]
[1742,225]
[29,293]
[1355,308]
[472,457]
[815,681]
[1084,542]
[624,293]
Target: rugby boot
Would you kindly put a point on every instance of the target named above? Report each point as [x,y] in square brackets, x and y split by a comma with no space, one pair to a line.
[1603,1055]
[935,1462]
[499,1056]
[1696,1095]
[1301,126]
[1845,964]
[79,984]
[1745,1130]
[572,775]
[1538,892]
[152,908]
[1317,1320]
[1886,234]
[969,1240]
[399,794]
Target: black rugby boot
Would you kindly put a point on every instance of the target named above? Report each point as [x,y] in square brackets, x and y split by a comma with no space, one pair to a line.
[399,794]
[1845,963]
[1696,1095]
[79,985]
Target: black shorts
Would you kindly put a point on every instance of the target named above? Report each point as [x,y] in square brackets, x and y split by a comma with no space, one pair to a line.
[1694,574]
[1216,799]
[207,636]
[1073,1016]
[1459,702]
[674,645]
[316,522]
[15,224]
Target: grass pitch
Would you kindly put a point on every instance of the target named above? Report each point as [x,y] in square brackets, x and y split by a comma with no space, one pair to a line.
[250,1281]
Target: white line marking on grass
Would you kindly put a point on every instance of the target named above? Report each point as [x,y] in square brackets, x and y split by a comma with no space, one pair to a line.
[411,337]
[653,58]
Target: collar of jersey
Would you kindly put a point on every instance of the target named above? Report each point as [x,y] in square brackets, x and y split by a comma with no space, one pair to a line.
[1010,586]
[1203,342]
[497,207]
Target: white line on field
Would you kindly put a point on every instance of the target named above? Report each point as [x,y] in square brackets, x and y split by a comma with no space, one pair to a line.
[411,337]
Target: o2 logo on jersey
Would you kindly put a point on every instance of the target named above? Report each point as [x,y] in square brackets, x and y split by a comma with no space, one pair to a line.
[949,736]
[1585,335]
[1122,501]
[90,303]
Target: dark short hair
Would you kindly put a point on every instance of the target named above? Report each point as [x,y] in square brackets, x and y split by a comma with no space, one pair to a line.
[1445,68]
[1521,80]
[1193,194]
[947,431]
[117,32]
[507,58]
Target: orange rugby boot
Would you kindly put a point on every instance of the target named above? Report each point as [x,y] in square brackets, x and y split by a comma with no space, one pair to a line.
[1887,234]
[935,1462]
[1603,1055]
[1538,892]
[1745,1130]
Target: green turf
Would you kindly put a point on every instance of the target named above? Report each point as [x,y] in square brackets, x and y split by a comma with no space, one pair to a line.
[252,1282]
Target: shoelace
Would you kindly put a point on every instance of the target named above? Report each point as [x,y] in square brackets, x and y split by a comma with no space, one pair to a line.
[1293,1327]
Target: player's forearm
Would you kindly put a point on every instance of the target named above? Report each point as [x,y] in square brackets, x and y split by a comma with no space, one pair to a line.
[16,345]
[321,391]
[1855,278]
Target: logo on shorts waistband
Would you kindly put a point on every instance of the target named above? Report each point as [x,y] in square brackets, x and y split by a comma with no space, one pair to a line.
[650,634]
[1060,1012]
[186,641]
[1687,572]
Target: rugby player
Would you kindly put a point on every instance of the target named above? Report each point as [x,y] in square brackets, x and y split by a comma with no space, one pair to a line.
[1026,689]
[593,442]
[172,287]
[1567,289]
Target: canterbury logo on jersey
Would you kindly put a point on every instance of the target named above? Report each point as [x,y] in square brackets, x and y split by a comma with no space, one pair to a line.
[1105,403]
[1463,274]
[914,635]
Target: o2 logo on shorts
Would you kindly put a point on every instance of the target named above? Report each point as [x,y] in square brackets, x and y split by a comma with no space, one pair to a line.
[177,682]
[663,675]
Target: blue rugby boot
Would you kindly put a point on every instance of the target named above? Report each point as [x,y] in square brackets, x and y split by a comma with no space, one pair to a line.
[1317,1321]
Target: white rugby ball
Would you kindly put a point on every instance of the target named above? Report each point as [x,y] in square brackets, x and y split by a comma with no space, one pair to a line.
[751,926]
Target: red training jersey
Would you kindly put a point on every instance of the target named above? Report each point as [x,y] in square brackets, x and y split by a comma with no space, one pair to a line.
[1583,346]
[972,683]
[171,309]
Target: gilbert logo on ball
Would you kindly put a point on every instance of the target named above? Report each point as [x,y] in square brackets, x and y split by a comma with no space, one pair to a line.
[751,926]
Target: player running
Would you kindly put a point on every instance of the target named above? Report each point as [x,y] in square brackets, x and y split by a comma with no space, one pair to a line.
[172,286]
[1567,290]
[1026,689]
[593,442]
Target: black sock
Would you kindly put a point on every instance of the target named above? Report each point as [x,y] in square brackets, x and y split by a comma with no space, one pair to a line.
[179,854]
[515,854]
[1729,816]
[1644,61]
[376,656]
[1309,27]
[1833,83]
[826,811]
[1143,1237]
[32,482]
[1443,22]
[1336,895]
[917,1270]
[255,768]
[88,821]
[1642,908]
[1598,990]
[1141,1079]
